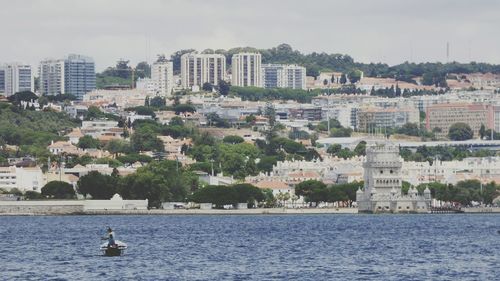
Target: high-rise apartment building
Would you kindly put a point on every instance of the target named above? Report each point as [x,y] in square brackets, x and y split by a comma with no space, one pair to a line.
[246,70]
[162,77]
[283,76]
[74,75]
[2,79]
[16,78]
[51,74]
[197,69]
[79,75]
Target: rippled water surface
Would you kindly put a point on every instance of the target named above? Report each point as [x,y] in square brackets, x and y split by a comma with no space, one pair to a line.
[288,247]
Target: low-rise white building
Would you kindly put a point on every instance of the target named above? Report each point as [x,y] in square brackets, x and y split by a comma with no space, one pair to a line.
[22,178]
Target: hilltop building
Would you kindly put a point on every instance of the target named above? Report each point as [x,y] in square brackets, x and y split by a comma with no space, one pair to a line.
[162,77]
[383,182]
[73,75]
[283,76]
[197,69]
[16,78]
[246,70]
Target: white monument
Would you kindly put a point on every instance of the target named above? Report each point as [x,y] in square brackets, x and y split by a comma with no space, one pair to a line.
[383,182]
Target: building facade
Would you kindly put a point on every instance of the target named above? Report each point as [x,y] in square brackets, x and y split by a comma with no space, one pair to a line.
[74,75]
[283,76]
[162,77]
[197,69]
[246,70]
[79,75]
[51,73]
[22,178]
[443,116]
[372,118]
[383,183]
[16,78]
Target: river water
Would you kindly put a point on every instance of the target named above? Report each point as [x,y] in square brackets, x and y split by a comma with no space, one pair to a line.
[264,247]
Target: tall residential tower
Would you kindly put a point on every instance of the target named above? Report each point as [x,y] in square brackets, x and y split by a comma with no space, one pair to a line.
[74,75]
[16,78]
[246,70]
[197,69]
[283,76]
[162,77]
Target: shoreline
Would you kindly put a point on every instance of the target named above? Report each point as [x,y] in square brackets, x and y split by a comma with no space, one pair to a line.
[189,212]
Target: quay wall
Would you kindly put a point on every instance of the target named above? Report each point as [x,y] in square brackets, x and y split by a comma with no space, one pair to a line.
[482,210]
[40,207]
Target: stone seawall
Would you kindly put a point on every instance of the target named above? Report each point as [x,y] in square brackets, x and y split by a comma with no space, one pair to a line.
[37,209]
[482,210]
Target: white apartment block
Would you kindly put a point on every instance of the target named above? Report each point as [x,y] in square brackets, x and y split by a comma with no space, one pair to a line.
[146,85]
[246,70]
[51,73]
[16,78]
[283,76]
[22,178]
[162,77]
[197,69]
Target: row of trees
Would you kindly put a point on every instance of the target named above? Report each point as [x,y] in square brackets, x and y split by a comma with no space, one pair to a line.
[158,182]
[464,192]
[230,195]
[393,92]
[442,153]
[317,192]
[338,151]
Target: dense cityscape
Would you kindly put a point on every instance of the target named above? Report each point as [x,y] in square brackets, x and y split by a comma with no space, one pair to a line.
[248,128]
[249,140]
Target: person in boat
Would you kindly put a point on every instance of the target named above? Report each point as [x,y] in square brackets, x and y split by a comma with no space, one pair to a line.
[110,236]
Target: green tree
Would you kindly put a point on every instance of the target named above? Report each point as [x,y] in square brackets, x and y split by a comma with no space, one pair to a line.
[216,194]
[224,87]
[354,76]
[58,190]
[207,87]
[313,190]
[157,102]
[460,131]
[117,146]
[143,70]
[360,148]
[32,195]
[232,139]
[97,185]
[247,193]
[482,131]
[18,97]
[334,149]
[146,139]
[343,79]
[87,141]
[159,182]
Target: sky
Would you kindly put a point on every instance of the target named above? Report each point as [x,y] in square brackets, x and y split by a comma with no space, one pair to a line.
[389,31]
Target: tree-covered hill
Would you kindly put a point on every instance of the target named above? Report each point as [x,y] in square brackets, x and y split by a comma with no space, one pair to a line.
[32,130]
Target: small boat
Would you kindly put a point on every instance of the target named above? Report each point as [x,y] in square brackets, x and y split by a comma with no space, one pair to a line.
[115,250]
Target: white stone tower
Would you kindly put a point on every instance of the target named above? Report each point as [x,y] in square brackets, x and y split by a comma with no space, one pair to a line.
[383,182]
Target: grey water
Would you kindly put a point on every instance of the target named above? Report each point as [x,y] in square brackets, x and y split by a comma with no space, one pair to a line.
[266,247]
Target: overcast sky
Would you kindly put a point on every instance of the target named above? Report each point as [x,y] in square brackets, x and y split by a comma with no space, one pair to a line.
[391,31]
